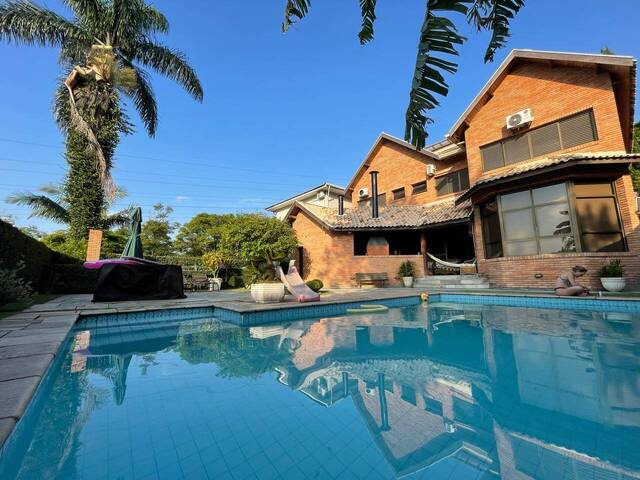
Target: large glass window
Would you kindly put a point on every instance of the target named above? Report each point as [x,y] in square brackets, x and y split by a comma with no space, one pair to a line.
[553,137]
[453,182]
[597,215]
[542,220]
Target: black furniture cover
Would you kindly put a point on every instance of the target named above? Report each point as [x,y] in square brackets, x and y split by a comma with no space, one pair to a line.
[120,282]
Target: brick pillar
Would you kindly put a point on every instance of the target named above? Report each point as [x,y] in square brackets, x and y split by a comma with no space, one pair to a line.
[93,245]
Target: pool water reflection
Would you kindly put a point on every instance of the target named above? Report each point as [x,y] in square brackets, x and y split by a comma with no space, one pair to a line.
[448,391]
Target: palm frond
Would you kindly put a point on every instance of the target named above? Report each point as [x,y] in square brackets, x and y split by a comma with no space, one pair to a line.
[368,12]
[51,189]
[87,11]
[496,16]
[297,9]
[144,99]
[118,219]
[171,63]
[24,22]
[41,206]
[152,20]
[438,34]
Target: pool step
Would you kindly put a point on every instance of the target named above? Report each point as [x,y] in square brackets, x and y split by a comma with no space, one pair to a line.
[453,282]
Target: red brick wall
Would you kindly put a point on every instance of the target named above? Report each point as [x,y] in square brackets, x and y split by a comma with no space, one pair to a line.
[520,271]
[552,93]
[402,167]
[329,256]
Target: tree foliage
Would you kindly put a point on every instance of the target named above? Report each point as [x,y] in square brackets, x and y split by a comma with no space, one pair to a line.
[438,44]
[157,232]
[201,234]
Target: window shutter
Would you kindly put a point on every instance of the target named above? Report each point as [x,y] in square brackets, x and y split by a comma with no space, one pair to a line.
[577,130]
[516,149]
[492,156]
[545,140]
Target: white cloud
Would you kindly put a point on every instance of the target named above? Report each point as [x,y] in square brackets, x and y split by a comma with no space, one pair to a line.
[182,198]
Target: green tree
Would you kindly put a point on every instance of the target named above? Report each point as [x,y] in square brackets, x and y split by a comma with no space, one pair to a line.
[635,147]
[201,234]
[254,238]
[113,242]
[157,232]
[104,48]
[438,44]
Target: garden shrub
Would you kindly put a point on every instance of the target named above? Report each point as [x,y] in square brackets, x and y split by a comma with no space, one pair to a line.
[12,286]
[235,281]
[37,257]
[315,285]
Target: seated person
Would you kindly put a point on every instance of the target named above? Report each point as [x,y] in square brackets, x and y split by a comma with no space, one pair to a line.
[567,286]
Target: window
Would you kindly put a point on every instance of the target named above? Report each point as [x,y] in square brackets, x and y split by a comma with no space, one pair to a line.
[566,133]
[491,230]
[419,187]
[408,394]
[598,218]
[432,405]
[549,220]
[398,193]
[537,221]
[453,182]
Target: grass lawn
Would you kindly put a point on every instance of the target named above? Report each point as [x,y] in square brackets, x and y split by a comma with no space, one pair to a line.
[11,308]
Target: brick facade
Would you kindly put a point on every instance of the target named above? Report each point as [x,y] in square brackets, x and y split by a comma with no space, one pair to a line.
[329,256]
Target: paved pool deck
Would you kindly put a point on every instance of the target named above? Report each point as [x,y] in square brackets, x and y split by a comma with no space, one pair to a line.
[29,340]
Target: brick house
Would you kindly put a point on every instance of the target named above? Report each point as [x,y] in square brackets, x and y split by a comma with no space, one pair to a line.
[547,190]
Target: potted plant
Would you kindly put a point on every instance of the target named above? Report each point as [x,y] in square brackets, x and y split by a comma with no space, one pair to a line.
[214,261]
[612,276]
[265,286]
[407,271]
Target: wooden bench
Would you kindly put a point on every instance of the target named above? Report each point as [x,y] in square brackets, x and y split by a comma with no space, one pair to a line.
[371,279]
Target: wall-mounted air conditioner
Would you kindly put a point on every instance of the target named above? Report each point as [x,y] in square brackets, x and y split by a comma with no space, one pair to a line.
[320,195]
[519,119]
[363,192]
[431,170]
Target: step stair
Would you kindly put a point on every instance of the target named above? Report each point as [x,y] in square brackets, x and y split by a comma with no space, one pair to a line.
[451,282]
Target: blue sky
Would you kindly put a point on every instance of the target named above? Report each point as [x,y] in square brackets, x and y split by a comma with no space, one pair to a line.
[282,113]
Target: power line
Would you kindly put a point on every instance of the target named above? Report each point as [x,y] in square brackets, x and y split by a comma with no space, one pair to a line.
[180,162]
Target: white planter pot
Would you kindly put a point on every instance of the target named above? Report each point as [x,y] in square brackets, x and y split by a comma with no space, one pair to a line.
[267,292]
[407,281]
[613,284]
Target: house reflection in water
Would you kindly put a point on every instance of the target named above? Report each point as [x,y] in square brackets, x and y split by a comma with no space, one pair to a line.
[525,393]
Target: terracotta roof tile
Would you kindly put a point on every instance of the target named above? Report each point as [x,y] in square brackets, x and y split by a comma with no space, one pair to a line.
[391,216]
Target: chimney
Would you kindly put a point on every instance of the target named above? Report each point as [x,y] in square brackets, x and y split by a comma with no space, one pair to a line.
[374,194]
[340,204]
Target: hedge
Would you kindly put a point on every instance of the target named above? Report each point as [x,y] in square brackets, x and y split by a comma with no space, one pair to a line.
[39,259]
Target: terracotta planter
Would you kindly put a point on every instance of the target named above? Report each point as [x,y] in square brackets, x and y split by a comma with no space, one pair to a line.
[613,284]
[267,292]
[407,281]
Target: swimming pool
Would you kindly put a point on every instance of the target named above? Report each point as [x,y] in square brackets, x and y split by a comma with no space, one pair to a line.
[446,391]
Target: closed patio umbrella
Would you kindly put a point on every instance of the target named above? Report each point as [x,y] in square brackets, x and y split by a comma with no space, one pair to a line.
[133,248]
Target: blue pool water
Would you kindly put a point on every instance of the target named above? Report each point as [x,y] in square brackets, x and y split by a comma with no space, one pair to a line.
[445,391]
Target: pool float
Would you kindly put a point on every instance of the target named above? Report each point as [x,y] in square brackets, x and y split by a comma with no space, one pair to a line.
[368,308]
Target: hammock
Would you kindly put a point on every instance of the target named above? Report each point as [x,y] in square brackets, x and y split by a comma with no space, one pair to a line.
[449,264]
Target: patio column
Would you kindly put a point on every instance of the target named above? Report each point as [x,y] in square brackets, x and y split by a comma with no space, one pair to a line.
[423,252]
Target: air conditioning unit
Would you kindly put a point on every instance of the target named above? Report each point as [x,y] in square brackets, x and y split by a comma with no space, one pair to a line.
[450,427]
[320,195]
[363,192]
[431,170]
[370,391]
[519,119]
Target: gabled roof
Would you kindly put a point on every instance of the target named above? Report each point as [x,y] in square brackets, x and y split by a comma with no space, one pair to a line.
[390,217]
[338,190]
[385,137]
[622,67]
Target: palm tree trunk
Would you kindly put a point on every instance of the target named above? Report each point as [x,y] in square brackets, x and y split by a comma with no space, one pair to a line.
[97,103]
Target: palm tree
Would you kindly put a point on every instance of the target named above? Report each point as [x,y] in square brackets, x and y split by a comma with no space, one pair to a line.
[51,204]
[438,35]
[103,50]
